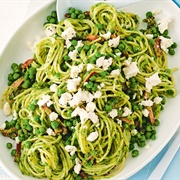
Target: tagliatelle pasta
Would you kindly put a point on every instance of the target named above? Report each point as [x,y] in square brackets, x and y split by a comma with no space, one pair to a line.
[95,86]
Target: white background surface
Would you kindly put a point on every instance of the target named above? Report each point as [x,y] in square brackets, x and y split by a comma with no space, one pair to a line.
[12,15]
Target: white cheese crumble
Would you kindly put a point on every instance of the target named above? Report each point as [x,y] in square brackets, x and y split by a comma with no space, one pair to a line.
[113,113]
[90,67]
[79,44]
[73,83]
[53,116]
[145,112]
[147,146]
[84,116]
[7,109]
[146,103]
[50,132]
[32,45]
[106,36]
[119,121]
[126,112]
[65,98]
[94,118]
[104,63]
[81,96]
[15,115]
[97,94]
[149,36]
[77,167]
[163,24]
[134,132]
[157,100]
[50,31]
[44,99]
[3,126]
[71,149]
[75,70]
[53,87]
[114,42]
[165,43]
[17,140]
[157,11]
[92,136]
[69,33]
[73,54]
[131,70]
[115,72]
[152,81]
[90,107]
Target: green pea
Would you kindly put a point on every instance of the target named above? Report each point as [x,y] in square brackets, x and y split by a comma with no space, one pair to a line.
[112,31]
[10,77]
[135,153]
[131,146]
[71,10]
[71,48]
[13,152]
[130,38]
[42,129]
[27,144]
[54,14]
[132,126]
[69,112]
[27,83]
[149,14]
[81,16]
[93,46]
[17,126]
[79,49]
[78,11]
[92,78]
[68,123]
[89,85]
[148,135]
[52,20]
[108,107]
[121,47]
[58,74]
[97,54]
[54,124]
[32,107]
[100,26]
[171,51]
[21,138]
[66,57]
[48,18]
[86,47]
[149,128]
[12,123]
[103,74]
[151,42]
[37,131]
[29,128]
[74,42]
[136,49]
[153,137]
[16,76]
[20,132]
[73,15]
[174,45]
[157,122]
[14,66]
[60,91]
[9,145]
[141,143]
[37,118]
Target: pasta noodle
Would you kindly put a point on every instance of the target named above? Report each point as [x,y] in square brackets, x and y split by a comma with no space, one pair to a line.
[94,79]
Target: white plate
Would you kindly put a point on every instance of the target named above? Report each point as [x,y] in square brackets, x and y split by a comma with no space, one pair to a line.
[16,51]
